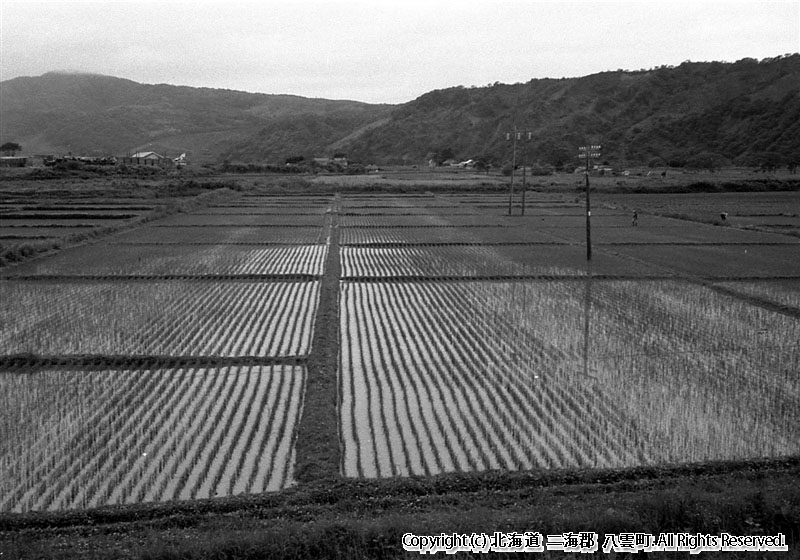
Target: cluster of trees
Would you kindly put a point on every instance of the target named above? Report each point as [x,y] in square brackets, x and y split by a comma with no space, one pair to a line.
[293,164]
[769,162]
[10,148]
[766,162]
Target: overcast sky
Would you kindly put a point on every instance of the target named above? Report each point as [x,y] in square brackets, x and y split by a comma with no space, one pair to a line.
[378,51]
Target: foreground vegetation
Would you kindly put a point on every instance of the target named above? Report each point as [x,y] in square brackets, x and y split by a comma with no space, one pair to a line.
[366,519]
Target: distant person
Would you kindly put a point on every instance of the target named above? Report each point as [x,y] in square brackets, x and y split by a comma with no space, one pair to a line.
[635,221]
[663,174]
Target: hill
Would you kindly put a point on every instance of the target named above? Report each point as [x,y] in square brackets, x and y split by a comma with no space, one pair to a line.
[90,114]
[698,114]
[745,113]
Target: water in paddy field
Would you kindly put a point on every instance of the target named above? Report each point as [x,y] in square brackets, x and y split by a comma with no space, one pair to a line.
[83,439]
[459,346]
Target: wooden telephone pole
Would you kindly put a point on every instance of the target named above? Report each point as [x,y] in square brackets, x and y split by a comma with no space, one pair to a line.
[514,136]
[587,153]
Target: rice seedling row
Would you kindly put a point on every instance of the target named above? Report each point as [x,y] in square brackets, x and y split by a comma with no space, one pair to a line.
[433,208]
[470,219]
[64,215]
[407,244]
[433,235]
[86,207]
[54,222]
[368,200]
[428,384]
[16,239]
[171,259]
[47,231]
[693,364]
[720,261]
[655,230]
[421,213]
[433,260]
[158,318]
[239,212]
[206,243]
[502,260]
[266,201]
[439,377]
[781,292]
[83,439]
[233,224]
[426,226]
[240,219]
[434,376]
[221,234]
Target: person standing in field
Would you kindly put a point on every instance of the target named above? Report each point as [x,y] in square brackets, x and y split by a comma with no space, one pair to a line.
[635,221]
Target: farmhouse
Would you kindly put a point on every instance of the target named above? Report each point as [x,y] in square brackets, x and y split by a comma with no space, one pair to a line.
[146,158]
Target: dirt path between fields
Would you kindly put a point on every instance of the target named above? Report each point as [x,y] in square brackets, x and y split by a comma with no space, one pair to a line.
[317,444]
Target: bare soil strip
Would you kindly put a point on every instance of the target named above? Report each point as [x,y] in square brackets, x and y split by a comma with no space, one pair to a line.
[416,214]
[205,243]
[426,226]
[392,245]
[155,277]
[403,245]
[29,363]
[754,300]
[317,445]
[577,276]
[233,224]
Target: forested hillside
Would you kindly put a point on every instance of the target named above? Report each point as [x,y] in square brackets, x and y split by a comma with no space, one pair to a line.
[698,114]
[747,112]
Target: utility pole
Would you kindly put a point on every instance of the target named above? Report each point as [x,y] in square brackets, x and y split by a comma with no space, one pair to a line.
[587,153]
[514,136]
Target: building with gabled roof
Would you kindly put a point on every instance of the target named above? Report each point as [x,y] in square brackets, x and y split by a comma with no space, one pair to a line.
[146,158]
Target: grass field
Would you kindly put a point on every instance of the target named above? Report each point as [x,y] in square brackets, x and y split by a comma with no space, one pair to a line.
[254,341]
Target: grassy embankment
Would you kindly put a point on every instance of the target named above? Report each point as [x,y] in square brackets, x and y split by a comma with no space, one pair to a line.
[366,519]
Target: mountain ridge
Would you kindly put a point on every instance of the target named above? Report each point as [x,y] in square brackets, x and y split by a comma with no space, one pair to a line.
[733,112]
[744,112]
[95,114]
